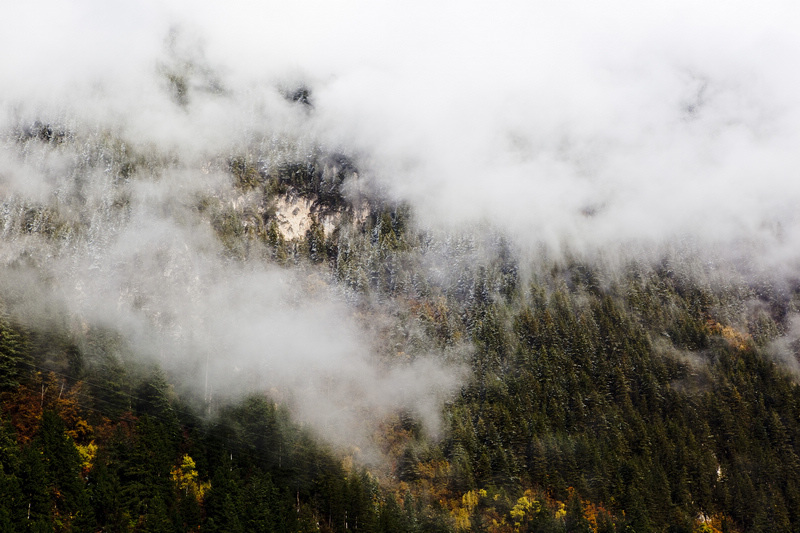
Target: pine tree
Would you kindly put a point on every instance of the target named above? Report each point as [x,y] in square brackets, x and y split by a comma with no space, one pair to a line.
[13,352]
[12,499]
[63,473]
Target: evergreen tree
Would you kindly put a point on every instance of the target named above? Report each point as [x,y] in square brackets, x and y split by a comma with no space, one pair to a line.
[13,353]
[12,498]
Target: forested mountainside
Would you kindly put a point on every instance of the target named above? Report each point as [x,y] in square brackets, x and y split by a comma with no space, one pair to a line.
[629,396]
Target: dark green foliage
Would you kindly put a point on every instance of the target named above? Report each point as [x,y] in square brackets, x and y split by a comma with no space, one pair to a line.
[315,240]
[575,521]
[36,492]
[44,132]
[11,491]
[63,467]
[301,95]
[586,401]
[153,400]
[13,355]
[320,178]
[178,88]
[47,491]
[246,174]
[277,243]
[105,490]
[648,392]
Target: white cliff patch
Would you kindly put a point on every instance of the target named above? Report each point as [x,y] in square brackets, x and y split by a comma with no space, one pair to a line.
[294,216]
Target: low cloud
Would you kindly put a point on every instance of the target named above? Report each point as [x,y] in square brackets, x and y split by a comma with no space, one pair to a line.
[588,124]
[582,126]
[138,259]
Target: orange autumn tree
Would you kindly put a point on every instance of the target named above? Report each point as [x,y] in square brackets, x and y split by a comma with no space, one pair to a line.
[45,392]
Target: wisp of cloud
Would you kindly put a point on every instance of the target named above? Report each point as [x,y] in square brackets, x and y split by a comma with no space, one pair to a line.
[587,125]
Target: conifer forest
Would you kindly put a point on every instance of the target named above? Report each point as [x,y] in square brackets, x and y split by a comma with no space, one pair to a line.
[380,294]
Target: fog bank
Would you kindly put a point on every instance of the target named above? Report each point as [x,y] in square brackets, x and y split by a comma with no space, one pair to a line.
[582,126]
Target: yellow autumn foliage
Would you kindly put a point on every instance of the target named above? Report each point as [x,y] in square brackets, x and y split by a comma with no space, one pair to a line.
[461,518]
[87,454]
[525,508]
[469,502]
[736,338]
[562,511]
[186,478]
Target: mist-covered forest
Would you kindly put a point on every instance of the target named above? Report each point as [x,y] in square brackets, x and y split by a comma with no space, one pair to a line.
[645,396]
[283,268]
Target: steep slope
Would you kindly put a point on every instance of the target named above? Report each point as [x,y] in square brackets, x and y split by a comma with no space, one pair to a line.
[659,396]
